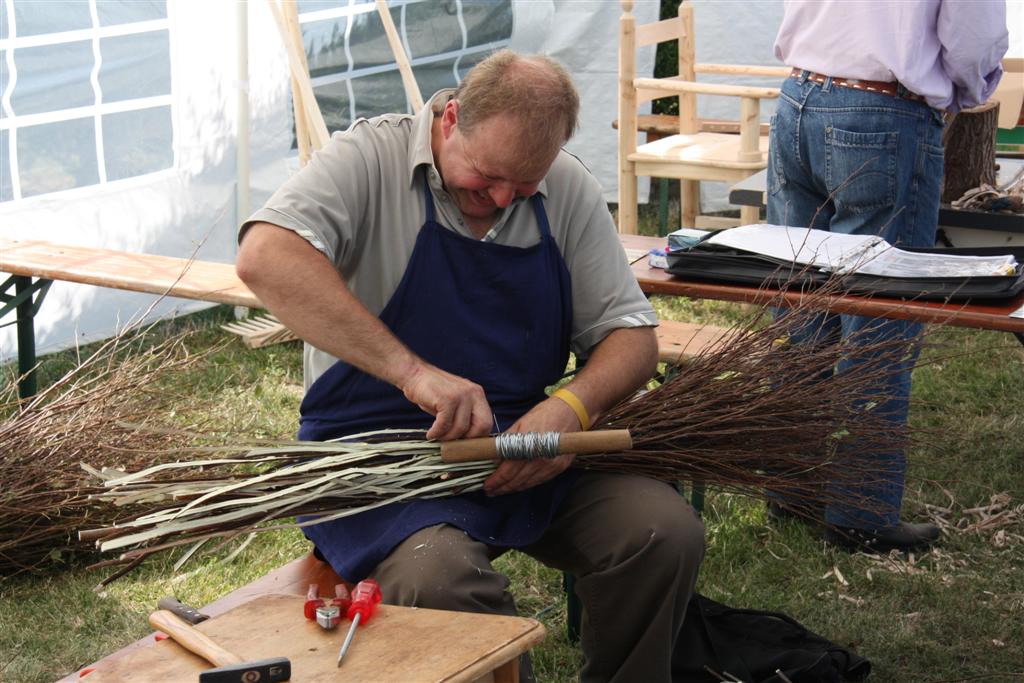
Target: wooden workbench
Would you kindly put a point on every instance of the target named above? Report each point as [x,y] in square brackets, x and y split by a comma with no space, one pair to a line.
[405,639]
[1006,315]
[397,644]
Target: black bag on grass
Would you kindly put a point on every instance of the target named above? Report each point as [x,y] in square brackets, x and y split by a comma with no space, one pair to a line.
[751,645]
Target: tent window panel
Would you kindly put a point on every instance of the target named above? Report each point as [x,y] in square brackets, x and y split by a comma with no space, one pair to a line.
[432,28]
[5,77]
[378,93]
[136,65]
[335,105]
[367,42]
[305,6]
[138,142]
[356,75]
[434,76]
[57,156]
[487,22]
[54,16]
[53,77]
[5,24]
[325,46]
[113,12]
[6,188]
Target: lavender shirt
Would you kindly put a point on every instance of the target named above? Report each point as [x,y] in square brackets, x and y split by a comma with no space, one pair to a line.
[947,51]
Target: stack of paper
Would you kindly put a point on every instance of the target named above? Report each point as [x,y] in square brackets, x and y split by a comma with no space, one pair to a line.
[862,254]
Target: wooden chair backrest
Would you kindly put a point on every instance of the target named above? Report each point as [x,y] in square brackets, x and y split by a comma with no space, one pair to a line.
[681,30]
[633,36]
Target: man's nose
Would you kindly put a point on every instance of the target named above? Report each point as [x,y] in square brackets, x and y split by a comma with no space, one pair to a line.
[502,194]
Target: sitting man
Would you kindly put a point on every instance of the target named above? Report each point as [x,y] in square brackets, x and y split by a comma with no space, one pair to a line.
[440,267]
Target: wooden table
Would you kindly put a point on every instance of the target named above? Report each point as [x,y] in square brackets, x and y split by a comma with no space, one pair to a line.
[1004,315]
[399,644]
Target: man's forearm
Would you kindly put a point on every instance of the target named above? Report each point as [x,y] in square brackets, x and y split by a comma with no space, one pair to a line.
[619,365]
[303,289]
[623,362]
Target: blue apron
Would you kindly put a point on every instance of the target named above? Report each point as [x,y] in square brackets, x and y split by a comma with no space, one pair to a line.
[497,315]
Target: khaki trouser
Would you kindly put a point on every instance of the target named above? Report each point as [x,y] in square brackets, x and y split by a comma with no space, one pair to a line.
[634,544]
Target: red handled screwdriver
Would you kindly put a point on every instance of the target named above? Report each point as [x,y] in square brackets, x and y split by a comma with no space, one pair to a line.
[364,601]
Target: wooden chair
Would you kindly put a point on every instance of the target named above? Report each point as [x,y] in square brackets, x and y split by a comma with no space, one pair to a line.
[696,152]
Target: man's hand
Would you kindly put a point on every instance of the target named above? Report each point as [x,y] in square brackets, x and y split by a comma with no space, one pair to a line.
[552,415]
[459,406]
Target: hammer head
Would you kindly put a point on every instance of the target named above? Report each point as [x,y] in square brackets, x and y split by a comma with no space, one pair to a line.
[260,671]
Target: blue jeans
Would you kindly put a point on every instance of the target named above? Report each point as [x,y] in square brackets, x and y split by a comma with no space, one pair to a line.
[859,162]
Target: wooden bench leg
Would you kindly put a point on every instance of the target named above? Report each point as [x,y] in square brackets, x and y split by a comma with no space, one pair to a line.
[22,302]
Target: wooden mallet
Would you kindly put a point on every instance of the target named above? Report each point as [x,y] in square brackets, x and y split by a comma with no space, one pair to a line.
[230,667]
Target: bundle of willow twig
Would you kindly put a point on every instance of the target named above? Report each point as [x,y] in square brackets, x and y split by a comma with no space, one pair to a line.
[84,415]
[752,415]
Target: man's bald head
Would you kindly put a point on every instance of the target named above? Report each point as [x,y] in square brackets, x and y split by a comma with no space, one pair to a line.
[536,91]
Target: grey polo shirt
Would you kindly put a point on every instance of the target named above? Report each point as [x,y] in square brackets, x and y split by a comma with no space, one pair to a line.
[360,202]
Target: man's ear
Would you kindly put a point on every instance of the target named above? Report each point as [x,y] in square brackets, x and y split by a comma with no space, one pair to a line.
[449,118]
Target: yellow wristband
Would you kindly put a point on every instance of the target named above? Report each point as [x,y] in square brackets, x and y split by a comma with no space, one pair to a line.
[576,404]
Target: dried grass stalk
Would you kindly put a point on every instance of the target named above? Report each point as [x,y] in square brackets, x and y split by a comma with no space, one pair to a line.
[83,416]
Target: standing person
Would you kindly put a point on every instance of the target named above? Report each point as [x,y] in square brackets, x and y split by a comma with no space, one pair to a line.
[440,267]
[856,147]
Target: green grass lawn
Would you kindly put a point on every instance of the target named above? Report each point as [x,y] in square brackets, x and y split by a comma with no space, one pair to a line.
[953,614]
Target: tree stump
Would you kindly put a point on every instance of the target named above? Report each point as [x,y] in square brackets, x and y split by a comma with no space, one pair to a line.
[970,142]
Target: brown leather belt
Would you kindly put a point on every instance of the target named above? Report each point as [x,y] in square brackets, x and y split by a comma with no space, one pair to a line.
[884,87]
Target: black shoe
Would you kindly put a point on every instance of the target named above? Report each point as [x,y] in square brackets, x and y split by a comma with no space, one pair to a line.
[904,536]
[804,512]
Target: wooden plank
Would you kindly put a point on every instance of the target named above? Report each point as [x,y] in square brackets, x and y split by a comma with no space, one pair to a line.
[292,578]
[718,149]
[658,32]
[750,139]
[743,70]
[678,341]
[287,19]
[716,222]
[672,86]
[147,273]
[685,59]
[260,331]
[627,138]
[412,91]
[661,125]
[398,644]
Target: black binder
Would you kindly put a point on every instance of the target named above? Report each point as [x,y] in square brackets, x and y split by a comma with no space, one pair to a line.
[722,264]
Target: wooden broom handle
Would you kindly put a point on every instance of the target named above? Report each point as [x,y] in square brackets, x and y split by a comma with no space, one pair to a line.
[579,443]
[192,639]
